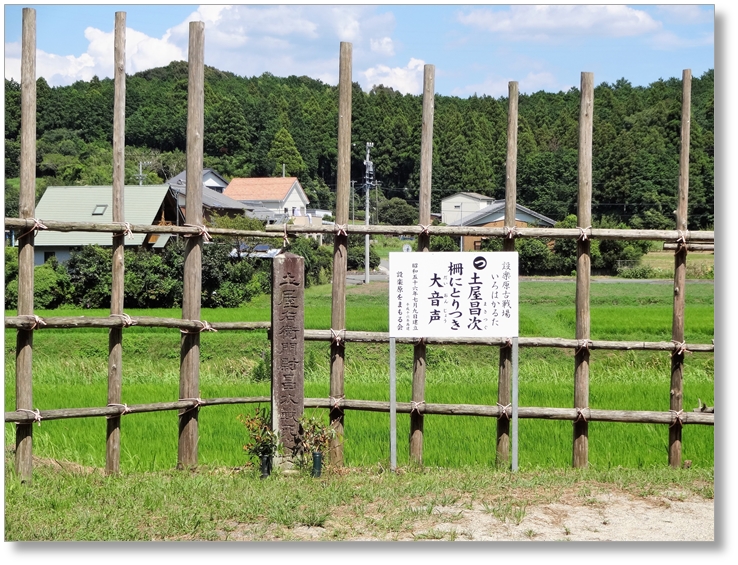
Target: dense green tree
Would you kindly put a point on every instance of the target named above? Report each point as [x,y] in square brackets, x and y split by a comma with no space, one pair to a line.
[635,143]
[397,212]
[283,152]
[90,273]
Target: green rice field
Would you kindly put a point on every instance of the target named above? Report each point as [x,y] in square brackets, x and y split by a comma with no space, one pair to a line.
[70,370]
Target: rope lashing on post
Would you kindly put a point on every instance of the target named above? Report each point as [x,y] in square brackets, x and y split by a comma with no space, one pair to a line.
[508,343]
[285,238]
[510,232]
[335,402]
[421,341]
[681,241]
[340,229]
[582,233]
[198,402]
[503,410]
[127,231]
[37,225]
[680,348]
[580,415]
[202,231]
[424,230]
[416,406]
[36,414]
[127,320]
[336,337]
[583,344]
[126,410]
[677,418]
[37,321]
[204,327]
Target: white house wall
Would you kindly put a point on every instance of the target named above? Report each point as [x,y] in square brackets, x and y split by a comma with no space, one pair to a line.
[296,201]
[467,206]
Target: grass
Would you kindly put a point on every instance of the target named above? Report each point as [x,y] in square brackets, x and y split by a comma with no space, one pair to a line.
[78,505]
[384,244]
[70,370]
[700,264]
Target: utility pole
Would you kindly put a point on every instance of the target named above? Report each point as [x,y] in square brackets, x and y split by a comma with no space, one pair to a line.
[368,181]
[140,176]
[353,208]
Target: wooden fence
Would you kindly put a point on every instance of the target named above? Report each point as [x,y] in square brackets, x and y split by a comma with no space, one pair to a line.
[189,403]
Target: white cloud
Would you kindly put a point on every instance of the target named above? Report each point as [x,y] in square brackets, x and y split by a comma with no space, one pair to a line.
[244,39]
[498,86]
[13,61]
[668,41]
[383,46]
[408,79]
[346,23]
[550,21]
[686,13]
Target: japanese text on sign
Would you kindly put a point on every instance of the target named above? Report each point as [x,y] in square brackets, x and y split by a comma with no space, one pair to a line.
[458,294]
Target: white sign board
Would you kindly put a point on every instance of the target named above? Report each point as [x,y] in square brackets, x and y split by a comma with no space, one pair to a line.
[453,294]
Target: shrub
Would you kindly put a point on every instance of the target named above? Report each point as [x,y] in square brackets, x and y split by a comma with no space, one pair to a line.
[11,263]
[51,287]
[534,256]
[149,281]
[318,259]
[356,260]
[638,272]
[442,243]
[90,272]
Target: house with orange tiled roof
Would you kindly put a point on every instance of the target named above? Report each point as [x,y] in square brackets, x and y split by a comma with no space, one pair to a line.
[282,195]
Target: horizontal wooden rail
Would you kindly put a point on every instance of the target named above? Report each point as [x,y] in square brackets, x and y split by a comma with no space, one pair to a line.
[383,337]
[118,227]
[76,322]
[71,322]
[690,246]
[120,410]
[589,414]
[549,233]
[278,230]
[592,415]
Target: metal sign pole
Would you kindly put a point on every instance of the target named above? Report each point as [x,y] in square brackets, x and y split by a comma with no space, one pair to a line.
[393,407]
[515,404]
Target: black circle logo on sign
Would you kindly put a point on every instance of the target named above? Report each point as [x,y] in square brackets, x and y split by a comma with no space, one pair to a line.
[480,263]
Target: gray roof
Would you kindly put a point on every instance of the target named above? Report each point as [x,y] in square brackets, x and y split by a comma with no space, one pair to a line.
[213,199]
[474,195]
[495,207]
[181,178]
[77,203]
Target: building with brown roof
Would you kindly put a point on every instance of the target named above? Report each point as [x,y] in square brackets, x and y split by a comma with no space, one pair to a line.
[281,195]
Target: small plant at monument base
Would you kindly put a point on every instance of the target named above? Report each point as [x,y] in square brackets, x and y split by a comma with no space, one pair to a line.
[264,442]
[315,439]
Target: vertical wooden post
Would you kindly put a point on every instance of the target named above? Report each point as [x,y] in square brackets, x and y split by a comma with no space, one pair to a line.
[340,247]
[680,276]
[189,375]
[584,221]
[426,168]
[508,244]
[26,209]
[288,348]
[115,337]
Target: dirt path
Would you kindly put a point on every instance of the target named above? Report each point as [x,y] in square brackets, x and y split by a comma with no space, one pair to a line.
[608,515]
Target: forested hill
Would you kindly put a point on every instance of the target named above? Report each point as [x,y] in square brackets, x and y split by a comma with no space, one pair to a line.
[253,125]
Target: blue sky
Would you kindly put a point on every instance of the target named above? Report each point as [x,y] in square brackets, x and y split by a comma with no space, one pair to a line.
[475,48]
